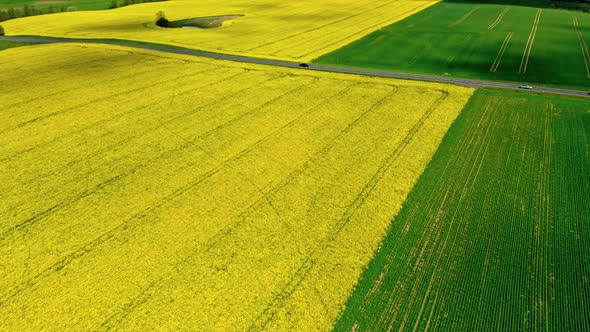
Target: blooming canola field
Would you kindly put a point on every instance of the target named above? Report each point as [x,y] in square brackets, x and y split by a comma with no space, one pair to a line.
[289,30]
[142,190]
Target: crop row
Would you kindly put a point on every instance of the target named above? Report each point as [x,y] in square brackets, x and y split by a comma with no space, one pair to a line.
[494,234]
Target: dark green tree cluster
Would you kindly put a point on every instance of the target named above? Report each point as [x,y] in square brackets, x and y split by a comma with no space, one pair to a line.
[134,2]
[577,5]
[29,10]
[161,19]
[1,31]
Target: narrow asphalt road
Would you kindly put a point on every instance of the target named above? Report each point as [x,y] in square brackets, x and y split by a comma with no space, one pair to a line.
[347,70]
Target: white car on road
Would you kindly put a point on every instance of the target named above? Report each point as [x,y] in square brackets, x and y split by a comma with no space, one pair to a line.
[525,86]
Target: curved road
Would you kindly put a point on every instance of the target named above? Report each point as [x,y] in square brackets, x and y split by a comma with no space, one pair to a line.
[347,70]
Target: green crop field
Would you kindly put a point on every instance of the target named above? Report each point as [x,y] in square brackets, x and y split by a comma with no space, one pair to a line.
[495,236]
[73,4]
[486,41]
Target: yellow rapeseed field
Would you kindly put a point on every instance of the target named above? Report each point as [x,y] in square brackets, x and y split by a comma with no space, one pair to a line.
[147,191]
[293,30]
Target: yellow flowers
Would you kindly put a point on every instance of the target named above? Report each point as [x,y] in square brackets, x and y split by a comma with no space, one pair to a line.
[293,30]
[144,190]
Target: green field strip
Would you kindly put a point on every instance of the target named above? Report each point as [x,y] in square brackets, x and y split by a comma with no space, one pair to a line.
[582,22]
[544,46]
[4,45]
[583,45]
[495,234]
[558,38]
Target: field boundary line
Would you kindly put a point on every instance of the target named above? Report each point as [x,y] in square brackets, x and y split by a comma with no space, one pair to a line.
[464,17]
[499,18]
[362,32]
[297,278]
[432,233]
[583,45]
[500,54]
[524,62]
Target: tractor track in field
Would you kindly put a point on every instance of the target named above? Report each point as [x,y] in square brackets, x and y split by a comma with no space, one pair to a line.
[524,62]
[464,17]
[503,48]
[499,18]
[583,45]
[473,83]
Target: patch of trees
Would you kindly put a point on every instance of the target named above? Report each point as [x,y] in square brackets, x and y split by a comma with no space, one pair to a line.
[161,19]
[115,4]
[1,31]
[577,5]
[30,10]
